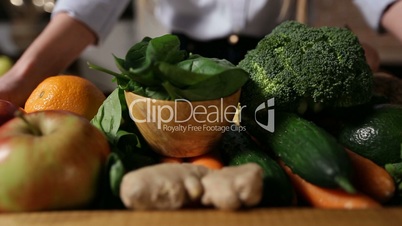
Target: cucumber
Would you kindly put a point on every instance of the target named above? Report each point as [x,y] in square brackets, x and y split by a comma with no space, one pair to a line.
[310,151]
[238,148]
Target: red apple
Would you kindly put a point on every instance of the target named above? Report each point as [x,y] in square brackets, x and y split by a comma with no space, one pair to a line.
[7,110]
[50,160]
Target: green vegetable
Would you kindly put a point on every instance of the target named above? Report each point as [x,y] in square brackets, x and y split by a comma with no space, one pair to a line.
[306,68]
[158,69]
[238,148]
[395,170]
[375,134]
[307,149]
[129,149]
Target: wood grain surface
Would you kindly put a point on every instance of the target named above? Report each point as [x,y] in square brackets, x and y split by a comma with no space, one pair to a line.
[209,217]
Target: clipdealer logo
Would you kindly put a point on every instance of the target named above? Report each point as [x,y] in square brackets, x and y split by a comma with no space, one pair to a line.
[184,116]
[202,116]
[268,107]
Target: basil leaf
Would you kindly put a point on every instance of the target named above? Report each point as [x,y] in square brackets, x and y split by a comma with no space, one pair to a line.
[140,59]
[220,85]
[146,77]
[118,76]
[116,173]
[109,184]
[165,48]
[129,151]
[155,92]
[109,117]
[191,78]
[157,68]
[205,66]
[127,141]
[194,70]
[138,66]
[158,93]
[178,76]
[136,56]
[120,64]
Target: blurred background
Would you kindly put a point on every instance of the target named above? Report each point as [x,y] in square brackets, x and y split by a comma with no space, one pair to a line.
[22,20]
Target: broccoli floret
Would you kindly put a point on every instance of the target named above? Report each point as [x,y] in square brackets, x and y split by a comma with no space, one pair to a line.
[305,68]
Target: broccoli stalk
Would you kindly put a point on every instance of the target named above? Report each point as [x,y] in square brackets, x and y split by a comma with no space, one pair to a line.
[306,68]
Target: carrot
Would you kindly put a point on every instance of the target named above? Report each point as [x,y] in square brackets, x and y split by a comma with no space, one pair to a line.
[371,178]
[329,198]
[210,160]
[166,159]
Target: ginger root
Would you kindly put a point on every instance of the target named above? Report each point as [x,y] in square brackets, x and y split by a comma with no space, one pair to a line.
[233,187]
[162,186]
[169,186]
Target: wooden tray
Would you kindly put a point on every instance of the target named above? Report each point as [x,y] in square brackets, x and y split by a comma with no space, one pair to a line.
[209,217]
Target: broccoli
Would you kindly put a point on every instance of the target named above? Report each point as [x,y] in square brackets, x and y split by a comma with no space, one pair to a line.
[306,68]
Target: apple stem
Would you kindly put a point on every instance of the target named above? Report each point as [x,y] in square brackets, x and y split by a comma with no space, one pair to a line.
[34,130]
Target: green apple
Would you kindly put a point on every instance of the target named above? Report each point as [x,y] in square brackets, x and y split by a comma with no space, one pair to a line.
[5,64]
[49,160]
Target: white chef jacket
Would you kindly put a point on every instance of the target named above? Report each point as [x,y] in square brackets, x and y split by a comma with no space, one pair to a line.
[372,11]
[199,19]
[202,19]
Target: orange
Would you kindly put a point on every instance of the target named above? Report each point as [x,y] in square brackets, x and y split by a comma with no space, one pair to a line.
[210,160]
[66,92]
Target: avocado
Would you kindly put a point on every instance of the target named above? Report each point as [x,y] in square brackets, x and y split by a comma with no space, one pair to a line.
[375,134]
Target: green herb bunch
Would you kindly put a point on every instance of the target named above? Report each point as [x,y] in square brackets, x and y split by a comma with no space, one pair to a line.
[157,68]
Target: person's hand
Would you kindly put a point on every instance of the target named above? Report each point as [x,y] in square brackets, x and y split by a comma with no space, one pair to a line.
[58,45]
[391,20]
[15,88]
